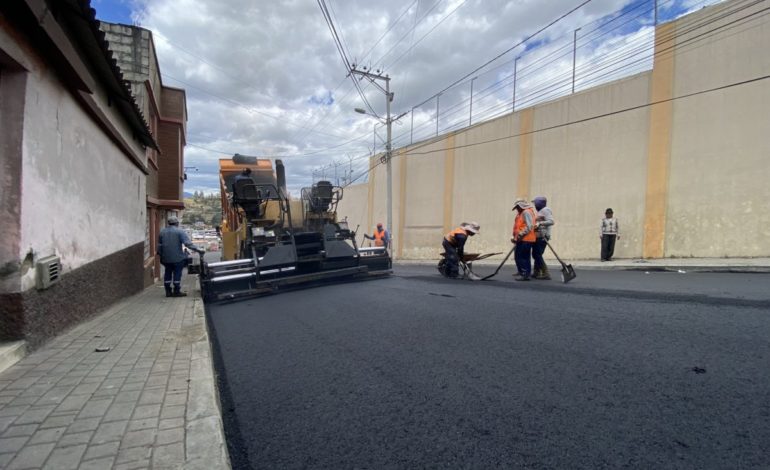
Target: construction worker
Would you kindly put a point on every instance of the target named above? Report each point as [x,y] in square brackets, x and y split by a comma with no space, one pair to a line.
[172,256]
[543,225]
[245,174]
[524,237]
[381,236]
[454,247]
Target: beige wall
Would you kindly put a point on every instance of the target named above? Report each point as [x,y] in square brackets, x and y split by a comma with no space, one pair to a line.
[719,196]
[686,176]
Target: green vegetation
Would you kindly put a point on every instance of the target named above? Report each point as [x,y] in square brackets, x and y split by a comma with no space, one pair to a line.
[205,208]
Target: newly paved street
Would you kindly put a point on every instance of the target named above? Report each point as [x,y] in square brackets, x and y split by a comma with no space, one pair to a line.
[617,369]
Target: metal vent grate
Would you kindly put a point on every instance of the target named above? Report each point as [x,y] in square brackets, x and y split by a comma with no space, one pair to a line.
[48,271]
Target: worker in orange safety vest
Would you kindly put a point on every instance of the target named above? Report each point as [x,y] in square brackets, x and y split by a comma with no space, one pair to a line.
[454,247]
[381,236]
[524,236]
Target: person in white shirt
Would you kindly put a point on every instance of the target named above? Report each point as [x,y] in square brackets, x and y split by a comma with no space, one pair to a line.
[610,232]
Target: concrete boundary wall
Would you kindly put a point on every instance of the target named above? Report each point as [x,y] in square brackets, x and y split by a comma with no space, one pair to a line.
[680,153]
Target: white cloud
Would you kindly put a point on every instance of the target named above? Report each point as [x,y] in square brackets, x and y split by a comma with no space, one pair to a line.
[264,78]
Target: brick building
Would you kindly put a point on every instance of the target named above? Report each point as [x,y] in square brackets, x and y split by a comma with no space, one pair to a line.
[166,113]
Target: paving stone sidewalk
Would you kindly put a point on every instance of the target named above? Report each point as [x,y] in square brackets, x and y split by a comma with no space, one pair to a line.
[147,402]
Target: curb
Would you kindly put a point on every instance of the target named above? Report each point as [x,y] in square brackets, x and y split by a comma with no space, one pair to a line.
[204,431]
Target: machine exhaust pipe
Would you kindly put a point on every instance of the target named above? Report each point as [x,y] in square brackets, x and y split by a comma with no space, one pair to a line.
[280,175]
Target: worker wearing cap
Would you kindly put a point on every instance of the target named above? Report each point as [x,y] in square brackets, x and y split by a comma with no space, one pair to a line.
[172,256]
[381,236]
[454,246]
[543,225]
[524,237]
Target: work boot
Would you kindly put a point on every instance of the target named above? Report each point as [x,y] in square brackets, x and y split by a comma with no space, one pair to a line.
[180,294]
[168,292]
[544,274]
[521,278]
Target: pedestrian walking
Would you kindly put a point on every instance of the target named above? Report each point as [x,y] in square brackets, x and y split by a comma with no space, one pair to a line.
[543,224]
[610,232]
[524,238]
[173,257]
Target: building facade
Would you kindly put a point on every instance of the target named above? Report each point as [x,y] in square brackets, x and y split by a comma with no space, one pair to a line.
[73,171]
[166,112]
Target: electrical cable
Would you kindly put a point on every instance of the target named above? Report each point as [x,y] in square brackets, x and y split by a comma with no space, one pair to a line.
[554,86]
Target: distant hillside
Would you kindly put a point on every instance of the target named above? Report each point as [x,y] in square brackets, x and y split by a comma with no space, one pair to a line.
[187,195]
[204,208]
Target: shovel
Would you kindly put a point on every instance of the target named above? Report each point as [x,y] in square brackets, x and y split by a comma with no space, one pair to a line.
[467,263]
[567,272]
[501,265]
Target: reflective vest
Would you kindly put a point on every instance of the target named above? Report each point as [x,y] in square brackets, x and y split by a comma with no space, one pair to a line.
[519,224]
[379,238]
[450,237]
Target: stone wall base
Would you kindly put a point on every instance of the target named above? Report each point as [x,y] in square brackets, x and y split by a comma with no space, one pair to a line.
[38,315]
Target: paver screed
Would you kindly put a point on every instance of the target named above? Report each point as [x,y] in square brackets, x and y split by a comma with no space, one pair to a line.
[131,388]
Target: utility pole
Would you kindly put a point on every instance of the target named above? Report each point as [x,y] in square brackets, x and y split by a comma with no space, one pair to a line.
[374,77]
[574,59]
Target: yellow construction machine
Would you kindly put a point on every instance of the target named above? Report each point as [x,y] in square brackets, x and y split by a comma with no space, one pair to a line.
[272,242]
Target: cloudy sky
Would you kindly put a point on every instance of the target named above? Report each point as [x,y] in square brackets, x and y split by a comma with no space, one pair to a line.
[263,77]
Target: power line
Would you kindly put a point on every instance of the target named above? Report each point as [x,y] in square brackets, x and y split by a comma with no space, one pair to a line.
[323,119]
[621,56]
[588,119]
[414,44]
[514,47]
[411,152]
[340,48]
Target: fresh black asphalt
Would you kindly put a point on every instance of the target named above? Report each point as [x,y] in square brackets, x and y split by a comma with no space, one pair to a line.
[614,370]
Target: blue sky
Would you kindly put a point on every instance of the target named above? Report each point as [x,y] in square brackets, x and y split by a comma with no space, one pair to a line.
[113,11]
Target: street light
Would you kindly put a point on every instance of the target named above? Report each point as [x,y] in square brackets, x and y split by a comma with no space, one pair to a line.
[373,78]
[574,59]
[470,112]
[186,168]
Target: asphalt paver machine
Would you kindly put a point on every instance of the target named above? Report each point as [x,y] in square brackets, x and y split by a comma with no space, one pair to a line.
[271,242]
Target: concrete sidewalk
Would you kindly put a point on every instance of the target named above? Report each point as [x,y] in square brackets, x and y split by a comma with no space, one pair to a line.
[131,388]
[738,265]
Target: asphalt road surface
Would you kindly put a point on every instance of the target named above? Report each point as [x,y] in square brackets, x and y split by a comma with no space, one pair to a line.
[613,370]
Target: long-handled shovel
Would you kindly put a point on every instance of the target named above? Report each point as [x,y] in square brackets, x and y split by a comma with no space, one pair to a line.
[567,272]
[467,264]
[501,265]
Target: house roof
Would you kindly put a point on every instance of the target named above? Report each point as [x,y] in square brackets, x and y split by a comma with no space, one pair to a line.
[67,33]
[85,26]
